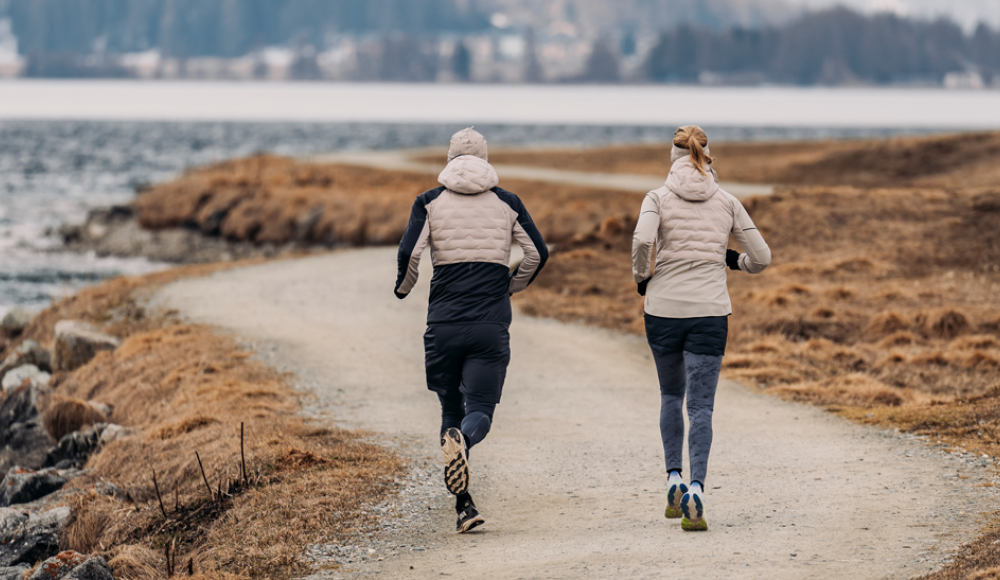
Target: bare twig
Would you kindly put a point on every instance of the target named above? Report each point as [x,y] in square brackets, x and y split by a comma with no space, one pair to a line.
[190,566]
[203,476]
[166,553]
[243,457]
[177,496]
[156,486]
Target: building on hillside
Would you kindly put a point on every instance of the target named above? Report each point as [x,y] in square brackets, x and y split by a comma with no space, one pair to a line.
[11,63]
[967,80]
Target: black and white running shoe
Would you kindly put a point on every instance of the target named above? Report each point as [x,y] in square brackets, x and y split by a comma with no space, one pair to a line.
[456,461]
[468,516]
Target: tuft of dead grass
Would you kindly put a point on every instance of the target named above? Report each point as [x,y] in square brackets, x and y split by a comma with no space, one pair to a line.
[66,415]
[946,324]
[887,323]
[854,389]
[183,426]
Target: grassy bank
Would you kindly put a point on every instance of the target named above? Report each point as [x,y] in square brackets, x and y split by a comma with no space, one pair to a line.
[964,160]
[185,389]
[267,199]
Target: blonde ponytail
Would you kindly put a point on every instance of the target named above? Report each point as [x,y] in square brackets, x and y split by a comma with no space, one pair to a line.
[692,138]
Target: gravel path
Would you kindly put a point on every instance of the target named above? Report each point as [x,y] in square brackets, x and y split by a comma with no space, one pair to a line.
[635,183]
[571,479]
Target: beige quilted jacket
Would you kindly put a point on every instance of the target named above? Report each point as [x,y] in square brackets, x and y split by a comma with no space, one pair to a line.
[471,220]
[689,221]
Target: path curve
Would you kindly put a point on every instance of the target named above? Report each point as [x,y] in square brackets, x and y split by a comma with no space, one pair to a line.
[403,160]
[571,479]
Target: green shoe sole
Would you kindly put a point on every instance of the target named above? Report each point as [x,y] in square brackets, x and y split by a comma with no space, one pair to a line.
[698,526]
[673,513]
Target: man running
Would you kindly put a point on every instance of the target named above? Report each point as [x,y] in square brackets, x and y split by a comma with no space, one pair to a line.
[469,224]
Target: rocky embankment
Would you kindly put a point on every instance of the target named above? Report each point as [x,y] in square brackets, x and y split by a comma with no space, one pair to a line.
[116,231]
[266,206]
[45,441]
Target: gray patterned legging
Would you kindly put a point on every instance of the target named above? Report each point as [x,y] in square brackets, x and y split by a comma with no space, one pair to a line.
[697,375]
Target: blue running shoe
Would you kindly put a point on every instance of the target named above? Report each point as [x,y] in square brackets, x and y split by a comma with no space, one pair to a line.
[693,507]
[675,489]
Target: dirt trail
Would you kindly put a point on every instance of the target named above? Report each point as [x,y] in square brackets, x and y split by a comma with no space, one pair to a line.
[571,479]
[635,183]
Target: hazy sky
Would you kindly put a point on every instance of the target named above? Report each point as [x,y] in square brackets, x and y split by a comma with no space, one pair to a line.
[966,12]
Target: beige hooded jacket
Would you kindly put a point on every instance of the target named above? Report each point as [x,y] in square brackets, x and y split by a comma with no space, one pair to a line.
[469,219]
[689,220]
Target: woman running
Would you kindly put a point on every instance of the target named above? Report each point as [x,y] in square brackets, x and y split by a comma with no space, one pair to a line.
[687,305]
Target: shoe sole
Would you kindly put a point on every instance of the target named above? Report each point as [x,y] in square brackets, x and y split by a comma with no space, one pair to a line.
[673,510]
[698,526]
[696,523]
[456,466]
[471,524]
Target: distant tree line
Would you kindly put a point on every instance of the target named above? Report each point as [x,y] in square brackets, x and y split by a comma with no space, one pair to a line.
[402,42]
[228,28]
[836,46]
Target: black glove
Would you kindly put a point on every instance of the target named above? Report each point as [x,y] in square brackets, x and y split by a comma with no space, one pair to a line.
[398,295]
[642,287]
[733,259]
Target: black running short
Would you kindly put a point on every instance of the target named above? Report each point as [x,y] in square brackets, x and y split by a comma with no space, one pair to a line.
[471,358]
[705,335]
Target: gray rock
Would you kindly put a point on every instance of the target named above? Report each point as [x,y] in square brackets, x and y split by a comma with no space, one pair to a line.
[14,572]
[16,377]
[59,566]
[93,569]
[25,485]
[28,352]
[113,233]
[28,538]
[46,503]
[78,342]
[23,441]
[16,320]
[113,432]
[74,448]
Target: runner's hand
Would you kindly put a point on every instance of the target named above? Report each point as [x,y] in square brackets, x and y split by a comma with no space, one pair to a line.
[733,259]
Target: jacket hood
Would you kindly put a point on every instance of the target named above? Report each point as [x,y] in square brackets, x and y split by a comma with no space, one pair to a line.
[689,183]
[468,142]
[469,175]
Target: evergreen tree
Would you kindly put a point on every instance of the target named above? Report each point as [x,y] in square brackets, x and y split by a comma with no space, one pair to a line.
[461,62]
[602,64]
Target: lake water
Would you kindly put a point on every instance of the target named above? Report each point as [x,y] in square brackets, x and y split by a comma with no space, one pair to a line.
[506,104]
[68,146]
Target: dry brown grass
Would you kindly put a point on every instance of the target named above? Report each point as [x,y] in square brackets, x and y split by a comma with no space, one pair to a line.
[964,160]
[278,200]
[65,415]
[185,389]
